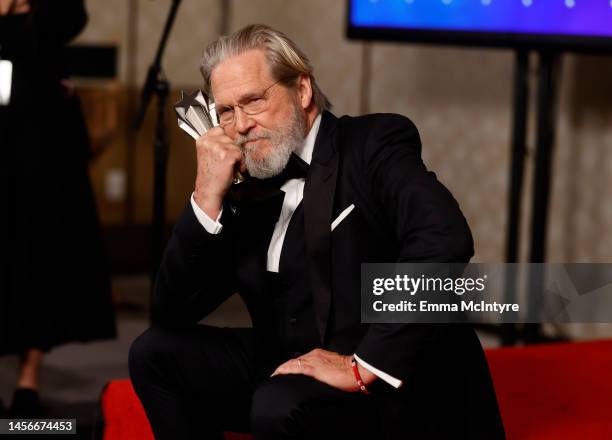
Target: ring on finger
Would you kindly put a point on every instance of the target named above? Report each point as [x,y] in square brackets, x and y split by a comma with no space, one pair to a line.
[299,362]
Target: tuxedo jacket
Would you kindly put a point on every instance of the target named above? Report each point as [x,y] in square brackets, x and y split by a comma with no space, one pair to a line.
[401,214]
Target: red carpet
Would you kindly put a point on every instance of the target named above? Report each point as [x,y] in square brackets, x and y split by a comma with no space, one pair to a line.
[124,418]
[556,391]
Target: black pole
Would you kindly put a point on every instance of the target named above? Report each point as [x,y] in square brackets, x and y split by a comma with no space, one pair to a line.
[517,165]
[160,149]
[544,155]
[156,84]
[547,83]
[517,168]
[154,74]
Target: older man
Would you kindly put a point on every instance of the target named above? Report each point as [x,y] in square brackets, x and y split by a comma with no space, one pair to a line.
[323,195]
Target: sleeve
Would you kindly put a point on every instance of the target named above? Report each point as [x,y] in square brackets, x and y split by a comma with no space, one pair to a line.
[393,381]
[211,226]
[428,227]
[196,273]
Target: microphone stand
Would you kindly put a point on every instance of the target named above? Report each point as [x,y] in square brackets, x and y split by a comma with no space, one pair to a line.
[157,84]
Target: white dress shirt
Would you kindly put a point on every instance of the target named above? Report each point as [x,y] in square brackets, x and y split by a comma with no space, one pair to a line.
[294,192]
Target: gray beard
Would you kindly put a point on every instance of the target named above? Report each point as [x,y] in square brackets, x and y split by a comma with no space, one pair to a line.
[285,140]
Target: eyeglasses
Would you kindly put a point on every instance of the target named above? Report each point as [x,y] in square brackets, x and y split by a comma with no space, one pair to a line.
[252,106]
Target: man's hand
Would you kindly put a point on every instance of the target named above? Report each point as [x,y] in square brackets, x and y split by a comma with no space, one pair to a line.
[21,7]
[217,157]
[328,367]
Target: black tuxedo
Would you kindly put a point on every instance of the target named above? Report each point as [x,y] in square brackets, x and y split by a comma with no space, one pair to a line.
[402,213]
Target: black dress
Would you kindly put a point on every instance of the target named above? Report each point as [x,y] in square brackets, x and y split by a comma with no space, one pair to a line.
[54,278]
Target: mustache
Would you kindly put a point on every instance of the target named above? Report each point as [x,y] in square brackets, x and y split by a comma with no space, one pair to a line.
[241,139]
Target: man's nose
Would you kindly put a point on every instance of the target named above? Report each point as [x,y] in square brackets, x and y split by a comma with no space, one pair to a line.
[242,121]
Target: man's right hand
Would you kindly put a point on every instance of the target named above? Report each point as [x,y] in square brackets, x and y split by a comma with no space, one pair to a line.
[217,159]
[20,7]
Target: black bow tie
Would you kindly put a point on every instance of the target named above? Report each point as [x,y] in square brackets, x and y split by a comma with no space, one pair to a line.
[296,169]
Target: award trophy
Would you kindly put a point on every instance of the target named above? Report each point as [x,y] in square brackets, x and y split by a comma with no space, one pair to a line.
[196,115]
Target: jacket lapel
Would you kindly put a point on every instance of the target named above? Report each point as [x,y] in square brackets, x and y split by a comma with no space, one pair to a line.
[318,205]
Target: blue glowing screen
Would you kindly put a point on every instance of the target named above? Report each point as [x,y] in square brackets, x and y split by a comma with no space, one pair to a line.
[587,18]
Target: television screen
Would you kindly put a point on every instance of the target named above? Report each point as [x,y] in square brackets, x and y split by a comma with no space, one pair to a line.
[560,24]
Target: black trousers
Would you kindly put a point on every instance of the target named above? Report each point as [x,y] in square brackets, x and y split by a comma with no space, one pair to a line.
[197,382]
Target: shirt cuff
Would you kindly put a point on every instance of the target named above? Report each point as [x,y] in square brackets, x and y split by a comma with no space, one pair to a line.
[211,226]
[394,382]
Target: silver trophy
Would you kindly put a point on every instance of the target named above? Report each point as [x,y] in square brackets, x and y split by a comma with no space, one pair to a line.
[196,115]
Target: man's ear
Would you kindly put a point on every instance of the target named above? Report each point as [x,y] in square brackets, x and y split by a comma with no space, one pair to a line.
[304,90]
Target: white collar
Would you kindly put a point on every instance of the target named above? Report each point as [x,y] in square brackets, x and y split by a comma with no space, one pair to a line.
[305,152]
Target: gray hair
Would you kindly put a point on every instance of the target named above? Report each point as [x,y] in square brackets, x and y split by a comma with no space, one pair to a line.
[285,60]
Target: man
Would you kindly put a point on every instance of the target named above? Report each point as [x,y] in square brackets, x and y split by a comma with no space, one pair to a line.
[323,196]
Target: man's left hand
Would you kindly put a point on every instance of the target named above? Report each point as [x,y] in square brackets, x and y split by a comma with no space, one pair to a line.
[328,367]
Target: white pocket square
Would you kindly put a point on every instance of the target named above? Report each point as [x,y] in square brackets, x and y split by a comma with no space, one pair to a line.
[342,216]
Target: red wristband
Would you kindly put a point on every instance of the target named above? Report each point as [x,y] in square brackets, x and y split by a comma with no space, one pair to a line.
[360,383]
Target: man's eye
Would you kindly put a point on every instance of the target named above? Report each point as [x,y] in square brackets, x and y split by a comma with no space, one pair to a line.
[254,104]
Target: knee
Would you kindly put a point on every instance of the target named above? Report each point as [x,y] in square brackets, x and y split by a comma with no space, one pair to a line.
[276,410]
[147,352]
